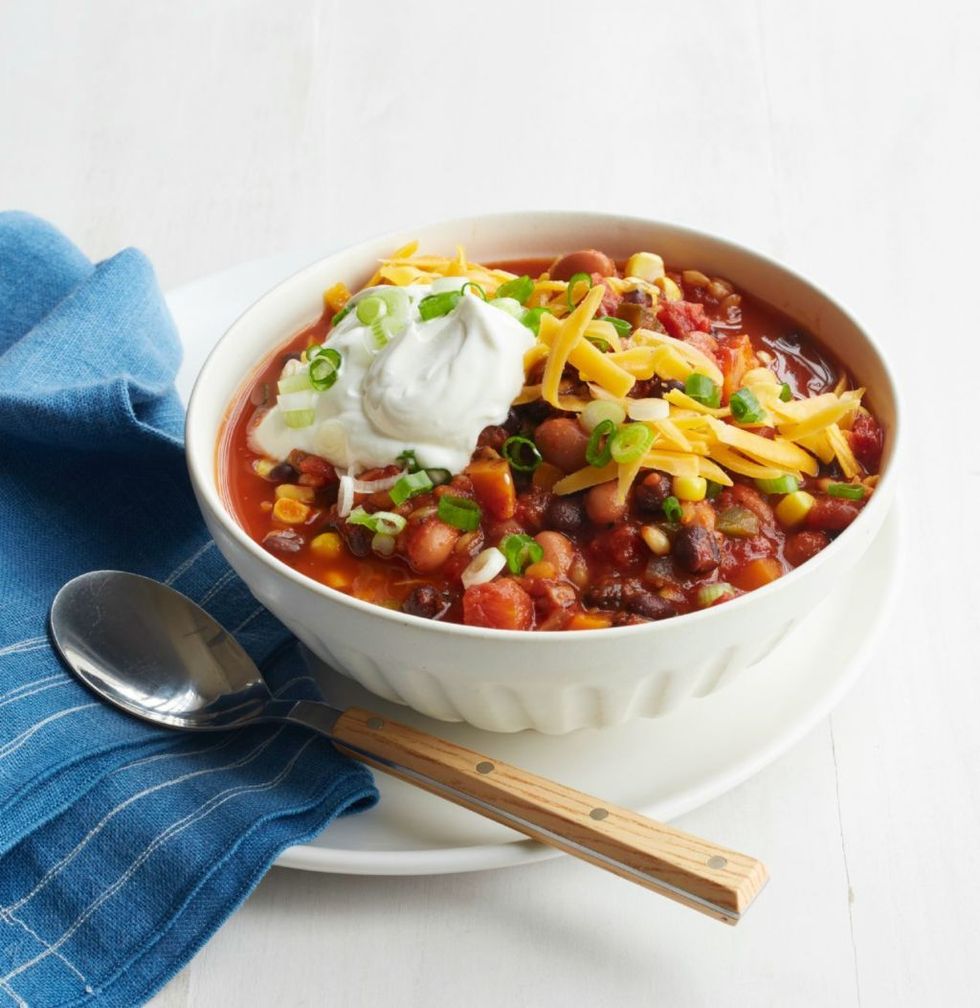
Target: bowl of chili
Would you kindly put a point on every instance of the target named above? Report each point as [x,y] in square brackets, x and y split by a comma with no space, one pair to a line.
[690,446]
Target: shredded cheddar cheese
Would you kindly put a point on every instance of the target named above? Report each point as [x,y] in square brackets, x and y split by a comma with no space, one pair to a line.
[585,358]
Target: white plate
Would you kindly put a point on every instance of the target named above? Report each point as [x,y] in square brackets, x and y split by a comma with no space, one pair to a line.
[701,751]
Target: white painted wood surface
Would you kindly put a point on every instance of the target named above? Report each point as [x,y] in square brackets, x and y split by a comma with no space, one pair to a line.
[838,136]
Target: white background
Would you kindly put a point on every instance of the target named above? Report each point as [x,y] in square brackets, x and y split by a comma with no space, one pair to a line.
[839,137]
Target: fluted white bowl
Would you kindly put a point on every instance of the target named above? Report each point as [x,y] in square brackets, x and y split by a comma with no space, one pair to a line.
[510,680]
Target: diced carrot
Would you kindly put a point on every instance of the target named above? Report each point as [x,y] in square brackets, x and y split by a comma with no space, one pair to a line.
[757,573]
[735,358]
[494,487]
[502,604]
[541,569]
[588,621]
[546,476]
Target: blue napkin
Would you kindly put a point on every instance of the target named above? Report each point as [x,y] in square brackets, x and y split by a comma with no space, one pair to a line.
[122,847]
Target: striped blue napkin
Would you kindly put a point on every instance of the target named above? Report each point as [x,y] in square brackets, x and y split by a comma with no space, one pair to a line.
[122,847]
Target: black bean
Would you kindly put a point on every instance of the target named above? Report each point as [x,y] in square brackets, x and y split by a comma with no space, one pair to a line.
[645,603]
[357,538]
[425,601]
[565,514]
[283,541]
[282,473]
[606,593]
[696,549]
[649,494]
[637,296]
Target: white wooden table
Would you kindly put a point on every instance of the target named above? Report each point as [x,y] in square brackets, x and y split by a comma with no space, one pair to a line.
[838,136]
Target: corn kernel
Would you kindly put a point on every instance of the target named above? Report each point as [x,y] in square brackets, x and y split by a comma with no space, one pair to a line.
[793,508]
[336,297]
[690,488]
[294,491]
[588,621]
[262,467]
[671,291]
[541,569]
[327,546]
[656,539]
[337,579]
[645,266]
[290,512]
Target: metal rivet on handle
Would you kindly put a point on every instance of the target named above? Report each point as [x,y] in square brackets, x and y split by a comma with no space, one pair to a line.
[375,722]
[485,767]
[717,861]
[599,813]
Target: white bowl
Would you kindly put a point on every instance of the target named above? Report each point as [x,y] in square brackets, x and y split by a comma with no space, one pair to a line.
[503,680]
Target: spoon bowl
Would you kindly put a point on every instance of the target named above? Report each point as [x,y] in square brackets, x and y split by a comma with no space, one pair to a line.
[146,648]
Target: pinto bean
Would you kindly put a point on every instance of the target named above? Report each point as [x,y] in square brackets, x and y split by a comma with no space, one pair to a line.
[558,551]
[802,546]
[429,543]
[696,549]
[562,442]
[584,261]
[601,504]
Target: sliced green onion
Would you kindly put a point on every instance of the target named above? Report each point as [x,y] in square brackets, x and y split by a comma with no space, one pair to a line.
[597,451]
[601,409]
[299,417]
[622,327]
[599,343]
[436,305]
[672,509]
[576,279]
[459,512]
[713,490]
[299,382]
[630,442]
[785,393]
[410,485]
[383,522]
[780,485]
[341,315]
[521,551]
[383,544]
[849,491]
[532,318]
[520,289]
[746,407]
[324,368]
[703,390]
[475,286]
[439,476]
[710,593]
[522,453]
[371,310]
[510,305]
[408,460]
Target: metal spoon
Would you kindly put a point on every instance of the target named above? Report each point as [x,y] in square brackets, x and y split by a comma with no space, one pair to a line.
[147,649]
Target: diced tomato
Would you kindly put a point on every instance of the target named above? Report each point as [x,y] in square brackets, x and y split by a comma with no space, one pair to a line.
[681,317]
[502,605]
[610,302]
[494,487]
[867,441]
[735,357]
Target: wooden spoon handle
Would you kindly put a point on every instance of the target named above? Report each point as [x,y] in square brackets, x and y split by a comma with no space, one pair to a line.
[701,875]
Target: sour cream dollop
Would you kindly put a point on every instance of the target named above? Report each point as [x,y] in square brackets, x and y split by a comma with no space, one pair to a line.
[431,389]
